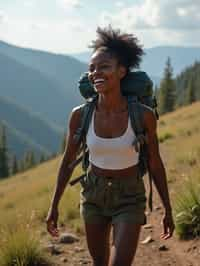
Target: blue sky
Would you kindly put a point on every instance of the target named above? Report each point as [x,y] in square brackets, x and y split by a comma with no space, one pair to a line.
[68,26]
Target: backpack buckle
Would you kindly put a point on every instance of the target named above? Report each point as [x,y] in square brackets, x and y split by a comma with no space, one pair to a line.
[132,99]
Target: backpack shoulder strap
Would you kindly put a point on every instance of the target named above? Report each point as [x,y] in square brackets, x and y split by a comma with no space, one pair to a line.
[81,132]
[135,114]
[136,117]
[86,115]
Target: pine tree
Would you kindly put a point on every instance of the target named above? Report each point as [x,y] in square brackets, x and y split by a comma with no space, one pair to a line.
[15,165]
[42,158]
[167,93]
[190,92]
[4,165]
[29,160]
[32,161]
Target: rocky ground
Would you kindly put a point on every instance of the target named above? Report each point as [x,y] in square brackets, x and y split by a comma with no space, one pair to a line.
[152,251]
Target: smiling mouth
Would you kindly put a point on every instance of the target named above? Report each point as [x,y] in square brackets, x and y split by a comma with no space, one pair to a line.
[98,81]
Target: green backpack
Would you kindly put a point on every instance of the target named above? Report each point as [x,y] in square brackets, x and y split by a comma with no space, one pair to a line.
[138,88]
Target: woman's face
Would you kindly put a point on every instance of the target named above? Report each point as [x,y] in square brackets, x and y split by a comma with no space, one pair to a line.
[105,72]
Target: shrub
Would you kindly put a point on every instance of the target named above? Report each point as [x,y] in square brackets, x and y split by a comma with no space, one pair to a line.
[187,211]
[165,137]
[21,248]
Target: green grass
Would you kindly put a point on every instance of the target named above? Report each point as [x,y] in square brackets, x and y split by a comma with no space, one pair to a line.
[165,136]
[20,246]
[187,210]
[25,200]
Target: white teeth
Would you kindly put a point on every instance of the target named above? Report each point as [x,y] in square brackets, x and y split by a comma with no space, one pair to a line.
[98,80]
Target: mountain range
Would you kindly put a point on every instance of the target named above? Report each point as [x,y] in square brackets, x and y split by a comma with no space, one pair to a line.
[39,89]
[42,89]
[155,58]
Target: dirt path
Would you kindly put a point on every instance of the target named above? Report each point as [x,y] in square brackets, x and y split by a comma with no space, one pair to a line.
[172,252]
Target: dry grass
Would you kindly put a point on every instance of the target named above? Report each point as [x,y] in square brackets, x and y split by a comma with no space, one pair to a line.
[28,194]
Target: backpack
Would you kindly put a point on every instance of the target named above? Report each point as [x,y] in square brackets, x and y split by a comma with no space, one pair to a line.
[138,89]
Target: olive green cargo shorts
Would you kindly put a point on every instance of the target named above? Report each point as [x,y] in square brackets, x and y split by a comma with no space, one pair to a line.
[107,199]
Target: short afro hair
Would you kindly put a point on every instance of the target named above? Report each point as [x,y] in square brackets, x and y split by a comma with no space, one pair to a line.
[122,45]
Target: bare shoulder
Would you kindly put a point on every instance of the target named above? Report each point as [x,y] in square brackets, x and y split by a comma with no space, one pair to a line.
[75,118]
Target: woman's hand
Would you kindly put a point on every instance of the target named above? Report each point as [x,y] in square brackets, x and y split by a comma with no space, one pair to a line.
[51,221]
[168,226]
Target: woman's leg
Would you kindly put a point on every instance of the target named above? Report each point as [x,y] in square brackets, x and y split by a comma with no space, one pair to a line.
[125,240]
[97,236]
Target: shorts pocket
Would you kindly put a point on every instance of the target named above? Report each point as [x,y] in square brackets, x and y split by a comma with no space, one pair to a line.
[88,190]
[134,186]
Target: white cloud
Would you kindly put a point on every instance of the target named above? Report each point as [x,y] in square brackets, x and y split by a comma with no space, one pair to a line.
[119,4]
[179,14]
[71,4]
[158,22]
[154,22]
[64,36]
[29,3]
[2,16]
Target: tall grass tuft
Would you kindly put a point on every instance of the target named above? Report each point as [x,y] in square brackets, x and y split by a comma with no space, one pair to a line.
[21,247]
[165,136]
[187,211]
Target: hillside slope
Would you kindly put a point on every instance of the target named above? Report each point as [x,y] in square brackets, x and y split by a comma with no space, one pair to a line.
[32,90]
[180,150]
[28,131]
[63,69]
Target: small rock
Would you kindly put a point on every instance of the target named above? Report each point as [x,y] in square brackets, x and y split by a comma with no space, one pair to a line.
[148,226]
[53,249]
[67,238]
[162,248]
[147,240]
[64,260]
[84,261]
[78,249]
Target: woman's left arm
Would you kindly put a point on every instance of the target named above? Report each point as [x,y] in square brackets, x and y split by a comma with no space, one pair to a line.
[158,172]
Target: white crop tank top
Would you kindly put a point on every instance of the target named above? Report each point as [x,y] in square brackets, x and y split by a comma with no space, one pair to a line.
[112,153]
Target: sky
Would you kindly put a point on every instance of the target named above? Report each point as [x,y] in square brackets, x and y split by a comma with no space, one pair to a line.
[68,26]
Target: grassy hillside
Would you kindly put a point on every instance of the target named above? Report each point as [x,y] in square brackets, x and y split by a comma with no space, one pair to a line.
[28,194]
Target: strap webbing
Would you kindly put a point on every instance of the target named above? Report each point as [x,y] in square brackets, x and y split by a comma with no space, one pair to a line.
[136,123]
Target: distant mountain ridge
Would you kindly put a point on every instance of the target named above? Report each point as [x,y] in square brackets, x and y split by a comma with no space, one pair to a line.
[27,131]
[31,89]
[57,86]
[155,58]
[63,69]
[44,86]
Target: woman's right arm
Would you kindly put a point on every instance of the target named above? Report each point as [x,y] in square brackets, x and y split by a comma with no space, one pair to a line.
[64,172]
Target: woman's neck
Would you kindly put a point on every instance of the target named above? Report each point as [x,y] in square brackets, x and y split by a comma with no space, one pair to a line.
[112,102]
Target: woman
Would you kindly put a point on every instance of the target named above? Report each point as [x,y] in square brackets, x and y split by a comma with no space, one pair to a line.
[113,193]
